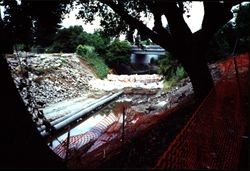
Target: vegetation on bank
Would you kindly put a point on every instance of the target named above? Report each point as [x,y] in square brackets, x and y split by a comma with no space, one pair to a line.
[171,69]
[89,54]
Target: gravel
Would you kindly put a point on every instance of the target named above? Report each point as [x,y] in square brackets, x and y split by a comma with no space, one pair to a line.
[52,78]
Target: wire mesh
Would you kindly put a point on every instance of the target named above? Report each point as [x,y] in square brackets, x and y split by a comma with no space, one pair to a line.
[212,138]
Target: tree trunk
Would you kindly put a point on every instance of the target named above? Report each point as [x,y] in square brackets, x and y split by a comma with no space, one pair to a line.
[191,54]
[21,144]
[199,74]
[192,57]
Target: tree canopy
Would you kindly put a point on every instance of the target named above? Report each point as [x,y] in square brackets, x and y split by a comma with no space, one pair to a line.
[31,22]
[243,27]
[118,52]
[232,37]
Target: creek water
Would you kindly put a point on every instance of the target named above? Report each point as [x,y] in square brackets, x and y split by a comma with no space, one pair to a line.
[90,122]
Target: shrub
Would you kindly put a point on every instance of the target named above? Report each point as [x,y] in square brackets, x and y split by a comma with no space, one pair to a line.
[88,54]
[167,84]
[85,50]
[180,72]
[167,66]
[171,70]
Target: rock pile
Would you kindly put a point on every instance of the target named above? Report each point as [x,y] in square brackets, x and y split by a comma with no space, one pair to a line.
[114,82]
[51,77]
[148,101]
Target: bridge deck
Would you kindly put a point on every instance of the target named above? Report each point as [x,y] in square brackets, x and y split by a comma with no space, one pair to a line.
[148,50]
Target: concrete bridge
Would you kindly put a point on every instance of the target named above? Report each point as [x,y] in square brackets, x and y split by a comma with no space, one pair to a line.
[148,50]
[145,53]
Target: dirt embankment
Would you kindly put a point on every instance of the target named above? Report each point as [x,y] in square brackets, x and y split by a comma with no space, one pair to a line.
[52,77]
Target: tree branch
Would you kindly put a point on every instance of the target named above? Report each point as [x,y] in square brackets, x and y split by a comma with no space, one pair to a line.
[152,5]
[212,24]
[155,8]
[178,27]
[154,36]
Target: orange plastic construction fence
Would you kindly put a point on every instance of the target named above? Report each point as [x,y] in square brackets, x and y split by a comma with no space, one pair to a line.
[212,138]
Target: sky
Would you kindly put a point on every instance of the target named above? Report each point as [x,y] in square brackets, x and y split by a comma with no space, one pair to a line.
[194,21]
[70,20]
[196,16]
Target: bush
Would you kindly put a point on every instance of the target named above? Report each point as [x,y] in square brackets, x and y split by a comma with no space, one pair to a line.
[180,72]
[88,54]
[167,84]
[171,70]
[167,66]
[85,50]
[118,52]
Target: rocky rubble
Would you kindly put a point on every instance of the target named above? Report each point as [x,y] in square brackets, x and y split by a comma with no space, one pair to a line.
[52,77]
[114,82]
[152,101]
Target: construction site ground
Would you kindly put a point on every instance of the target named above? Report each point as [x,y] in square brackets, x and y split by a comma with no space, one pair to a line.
[164,130]
[212,135]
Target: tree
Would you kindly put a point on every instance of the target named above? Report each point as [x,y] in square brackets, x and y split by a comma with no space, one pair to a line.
[30,22]
[99,41]
[222,44]
[118,52]
[67,39]
[243,27]
[234,36]
[189,48]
